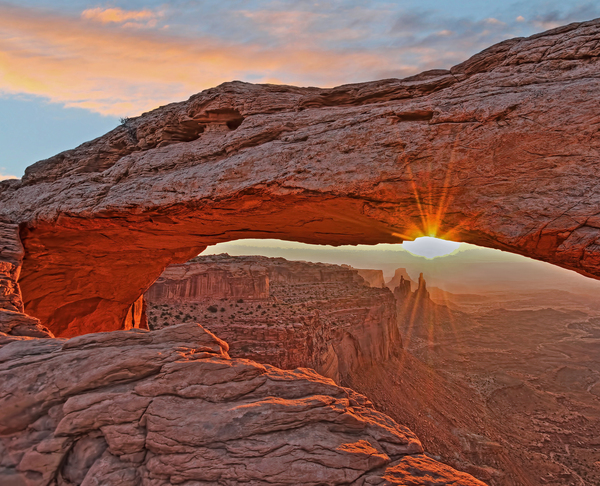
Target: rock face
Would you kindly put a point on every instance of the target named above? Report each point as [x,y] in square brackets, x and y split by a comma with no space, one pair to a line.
[12,319]
[313,315]
[207,279]
[170,407]
[500,151]
[422,292]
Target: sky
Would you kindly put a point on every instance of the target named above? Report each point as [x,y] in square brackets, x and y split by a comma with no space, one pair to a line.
[70,69]
[466,269]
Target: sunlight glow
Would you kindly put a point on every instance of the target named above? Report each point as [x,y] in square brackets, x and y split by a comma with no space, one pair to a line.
[429,247]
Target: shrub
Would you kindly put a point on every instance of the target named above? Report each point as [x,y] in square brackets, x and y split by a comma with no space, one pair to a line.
[240,301]
[212,308]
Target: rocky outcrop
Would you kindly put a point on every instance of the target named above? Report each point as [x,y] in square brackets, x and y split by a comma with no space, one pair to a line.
[137,317]
[499,151]
[422,292]
[403,289]
[287,272]
[170,407]
[11,257]
[313,315]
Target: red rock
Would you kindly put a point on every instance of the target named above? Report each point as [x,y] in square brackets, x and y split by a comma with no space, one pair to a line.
[170,406]
[400,276]
[500,151]
[205,279]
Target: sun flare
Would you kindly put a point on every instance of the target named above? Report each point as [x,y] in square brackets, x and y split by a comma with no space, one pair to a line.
[429,247]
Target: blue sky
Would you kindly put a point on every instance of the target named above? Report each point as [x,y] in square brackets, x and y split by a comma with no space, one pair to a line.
[69,70]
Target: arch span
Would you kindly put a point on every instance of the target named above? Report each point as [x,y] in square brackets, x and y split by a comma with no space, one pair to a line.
[500,151]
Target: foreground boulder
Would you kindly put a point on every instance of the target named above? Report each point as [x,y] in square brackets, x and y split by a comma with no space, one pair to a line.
[171,407]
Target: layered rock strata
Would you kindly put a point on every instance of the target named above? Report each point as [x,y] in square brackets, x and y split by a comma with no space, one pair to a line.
[500,151]
[206,279]
[171,407]
[312,315]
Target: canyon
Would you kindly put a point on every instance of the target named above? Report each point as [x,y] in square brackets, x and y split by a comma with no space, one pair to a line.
[511,412]
[500,150]
[309,315]
[171,407]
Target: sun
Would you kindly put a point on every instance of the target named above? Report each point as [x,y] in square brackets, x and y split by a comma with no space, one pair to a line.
[429,247]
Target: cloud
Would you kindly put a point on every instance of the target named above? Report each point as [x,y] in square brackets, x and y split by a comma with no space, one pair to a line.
[105,68]
[120,16]
[4,177]
[122,62]
[556,18]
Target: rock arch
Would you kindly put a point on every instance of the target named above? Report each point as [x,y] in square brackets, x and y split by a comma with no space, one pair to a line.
[501,151]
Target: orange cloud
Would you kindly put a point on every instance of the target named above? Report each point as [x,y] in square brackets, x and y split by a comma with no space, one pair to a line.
[102,67]
[116,15]
[127,18]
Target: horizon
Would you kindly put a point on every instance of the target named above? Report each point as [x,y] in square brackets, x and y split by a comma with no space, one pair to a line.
[469,269]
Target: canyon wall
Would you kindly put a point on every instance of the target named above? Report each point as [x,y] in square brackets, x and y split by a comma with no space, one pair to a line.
[13,320]
[315,315]
[500,151]
[205,279]
[321,317]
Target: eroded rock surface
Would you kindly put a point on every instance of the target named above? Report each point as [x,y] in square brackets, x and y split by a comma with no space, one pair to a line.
[500,151]
[168,407]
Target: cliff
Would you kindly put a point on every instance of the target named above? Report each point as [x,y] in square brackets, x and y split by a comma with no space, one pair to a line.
[210,279]
[313,315]
[170,407]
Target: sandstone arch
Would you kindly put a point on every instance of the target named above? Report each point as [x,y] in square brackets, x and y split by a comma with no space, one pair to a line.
[500,151]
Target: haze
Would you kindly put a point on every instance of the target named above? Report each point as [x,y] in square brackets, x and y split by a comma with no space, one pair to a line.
[468,269]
